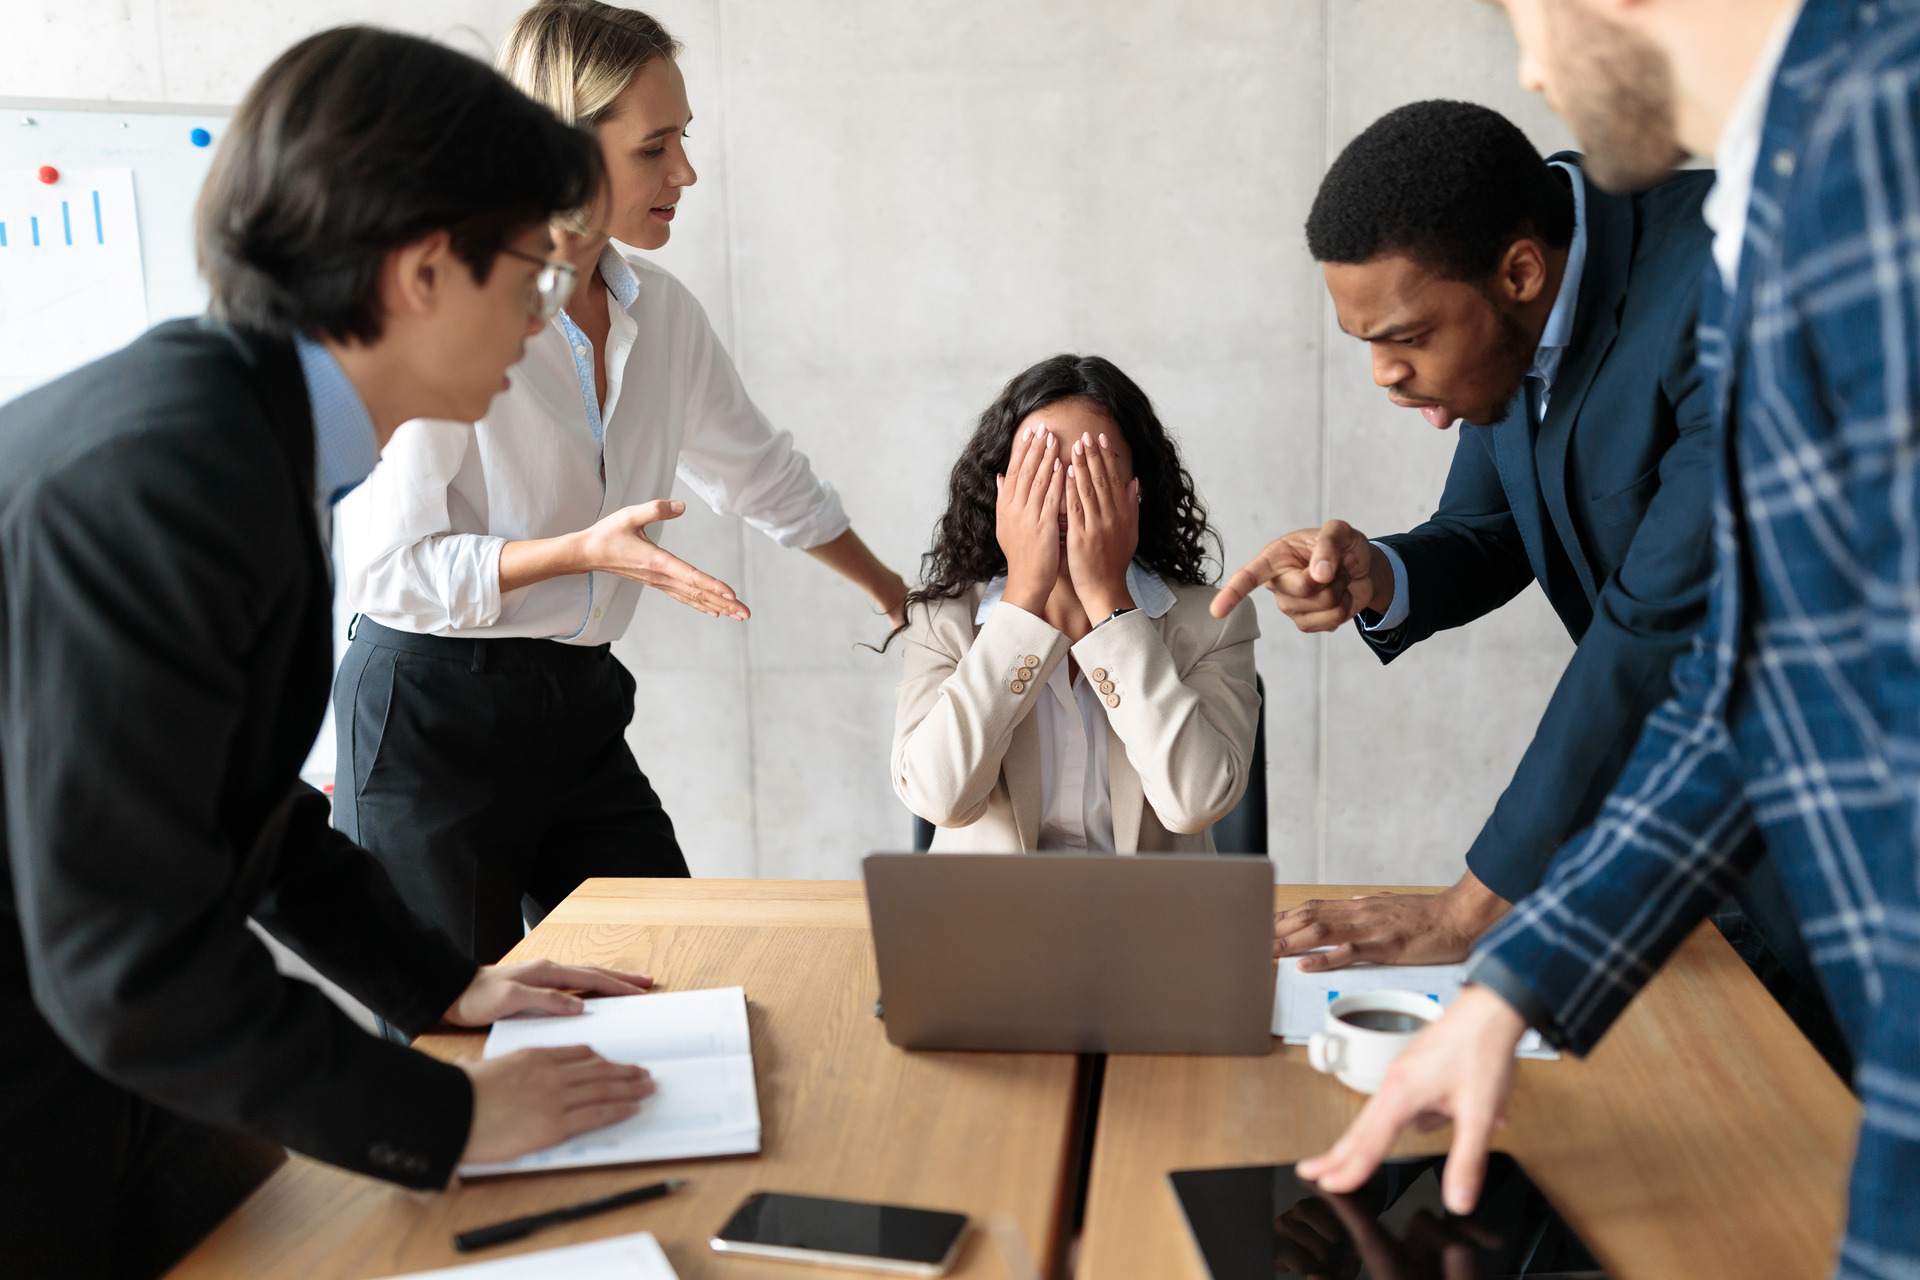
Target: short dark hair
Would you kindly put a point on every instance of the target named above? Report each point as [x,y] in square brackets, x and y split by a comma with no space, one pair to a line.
[358,141]
[1449,184]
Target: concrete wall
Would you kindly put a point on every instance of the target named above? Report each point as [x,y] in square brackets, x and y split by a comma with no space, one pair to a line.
[901,205]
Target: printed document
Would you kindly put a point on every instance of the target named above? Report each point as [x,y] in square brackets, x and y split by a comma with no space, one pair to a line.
[1300,1000]
[695,1045]
[634,1257]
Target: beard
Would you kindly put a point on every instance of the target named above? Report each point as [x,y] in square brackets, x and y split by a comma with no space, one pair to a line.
[1616,91]
[1513,356]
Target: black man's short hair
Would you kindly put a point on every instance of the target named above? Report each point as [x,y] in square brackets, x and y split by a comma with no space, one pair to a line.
[1449,184]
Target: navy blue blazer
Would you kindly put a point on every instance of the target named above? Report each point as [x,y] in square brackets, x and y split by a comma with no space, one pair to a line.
[1608,506]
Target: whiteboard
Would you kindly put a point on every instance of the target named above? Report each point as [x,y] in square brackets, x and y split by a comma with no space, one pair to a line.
[92,146]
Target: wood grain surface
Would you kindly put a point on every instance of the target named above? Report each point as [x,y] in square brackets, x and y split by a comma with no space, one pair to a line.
[843,1113]
[1703,1138]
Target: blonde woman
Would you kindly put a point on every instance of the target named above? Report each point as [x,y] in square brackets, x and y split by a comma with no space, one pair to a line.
[481,717]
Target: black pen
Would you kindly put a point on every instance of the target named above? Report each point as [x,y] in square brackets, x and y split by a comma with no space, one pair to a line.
[501,1232]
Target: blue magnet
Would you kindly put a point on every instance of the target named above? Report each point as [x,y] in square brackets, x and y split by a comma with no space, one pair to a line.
[200,137]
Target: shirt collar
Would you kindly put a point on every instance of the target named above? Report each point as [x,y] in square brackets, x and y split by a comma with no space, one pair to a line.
[345,446]
[1149,591]
[1738,151]
[1559,331]
[622,283]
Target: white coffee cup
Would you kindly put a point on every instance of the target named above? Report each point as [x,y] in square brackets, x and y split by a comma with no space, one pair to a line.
[1358,1053]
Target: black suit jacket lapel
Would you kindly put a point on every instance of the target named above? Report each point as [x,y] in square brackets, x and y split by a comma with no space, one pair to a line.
[282,387]
[1596,323]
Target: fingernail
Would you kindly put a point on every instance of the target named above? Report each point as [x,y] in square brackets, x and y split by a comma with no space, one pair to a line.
[676,505]
[1103,439]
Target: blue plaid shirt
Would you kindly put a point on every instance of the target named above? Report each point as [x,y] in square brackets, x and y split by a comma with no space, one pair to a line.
[1798,709]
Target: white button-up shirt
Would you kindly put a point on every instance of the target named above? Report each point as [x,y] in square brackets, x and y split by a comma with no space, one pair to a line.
[1738,151]
[1076,798]
[421,539]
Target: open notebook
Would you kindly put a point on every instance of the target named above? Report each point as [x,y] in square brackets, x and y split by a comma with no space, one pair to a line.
[634,1257]
[696,1046]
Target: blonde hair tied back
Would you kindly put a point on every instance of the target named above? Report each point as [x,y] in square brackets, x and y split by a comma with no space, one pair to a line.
[577,57]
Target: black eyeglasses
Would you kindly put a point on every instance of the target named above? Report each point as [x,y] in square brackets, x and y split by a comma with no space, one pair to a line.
[552,286]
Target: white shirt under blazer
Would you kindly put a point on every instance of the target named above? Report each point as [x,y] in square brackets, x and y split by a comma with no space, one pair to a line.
[421,539]
[1180,708]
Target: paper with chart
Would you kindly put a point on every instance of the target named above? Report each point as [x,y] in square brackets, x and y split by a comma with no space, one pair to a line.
[71,284]
[1300,1000]
[634,1257]
[696,1046]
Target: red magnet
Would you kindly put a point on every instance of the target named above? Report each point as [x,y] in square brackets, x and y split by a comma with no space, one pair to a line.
[49,174]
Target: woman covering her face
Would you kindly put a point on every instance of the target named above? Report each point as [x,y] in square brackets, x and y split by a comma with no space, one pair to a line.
[482,720]
[1066,687]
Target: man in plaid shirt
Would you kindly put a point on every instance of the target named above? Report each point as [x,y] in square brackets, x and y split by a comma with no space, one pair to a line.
[1798,709]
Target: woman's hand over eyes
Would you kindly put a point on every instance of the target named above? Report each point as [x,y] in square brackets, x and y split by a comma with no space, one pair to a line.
[1103,528]
[1027,518]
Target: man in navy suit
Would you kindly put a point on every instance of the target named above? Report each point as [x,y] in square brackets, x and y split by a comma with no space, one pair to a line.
[1556,322]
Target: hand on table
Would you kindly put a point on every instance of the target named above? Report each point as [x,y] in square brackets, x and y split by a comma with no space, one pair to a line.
[1320,578]
[529,1100]
[619,544]
[1388,928]
[1459,1069]
[1027,518]
[533,1098]
[542,986]
[1103,527]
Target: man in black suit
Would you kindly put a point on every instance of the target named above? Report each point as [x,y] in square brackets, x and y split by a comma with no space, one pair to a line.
[1556,322]
[374,235]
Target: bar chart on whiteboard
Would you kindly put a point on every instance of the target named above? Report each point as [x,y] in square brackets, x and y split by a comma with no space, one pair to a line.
[71,284]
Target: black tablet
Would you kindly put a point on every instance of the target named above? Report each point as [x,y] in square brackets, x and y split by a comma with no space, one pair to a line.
[1261,1221]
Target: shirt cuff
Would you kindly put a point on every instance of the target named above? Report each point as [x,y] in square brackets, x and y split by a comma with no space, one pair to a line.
[1396,612]
[1491,972]
[826,521]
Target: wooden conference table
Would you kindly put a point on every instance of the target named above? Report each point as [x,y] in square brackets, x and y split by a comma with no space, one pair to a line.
[1705,1138]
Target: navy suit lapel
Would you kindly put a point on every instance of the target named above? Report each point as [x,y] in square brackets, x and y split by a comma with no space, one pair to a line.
[1513,458]
[1596,323]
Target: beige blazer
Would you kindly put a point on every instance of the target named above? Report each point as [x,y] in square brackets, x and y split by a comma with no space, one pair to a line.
[1180,721]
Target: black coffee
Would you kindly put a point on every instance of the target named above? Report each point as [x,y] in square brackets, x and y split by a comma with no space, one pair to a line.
[1383,1020]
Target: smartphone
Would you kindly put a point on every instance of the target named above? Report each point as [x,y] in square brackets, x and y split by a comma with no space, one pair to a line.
[887,1238]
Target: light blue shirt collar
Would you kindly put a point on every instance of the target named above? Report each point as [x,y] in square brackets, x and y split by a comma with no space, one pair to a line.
[1559,331]
[1148,589]
[345,446]
[625,288]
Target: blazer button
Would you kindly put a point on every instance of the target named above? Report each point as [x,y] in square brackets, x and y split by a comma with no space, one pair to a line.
[1033,660]
[1098,674]
[1113,699]
[1026,673]
[383,1155]
[1018,686]
[1106,686]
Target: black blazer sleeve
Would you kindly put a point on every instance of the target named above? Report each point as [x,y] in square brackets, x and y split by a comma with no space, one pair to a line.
[1463,563]
[1645,617]
[144,580]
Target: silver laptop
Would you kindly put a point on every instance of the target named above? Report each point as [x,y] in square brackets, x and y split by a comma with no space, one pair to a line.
[1074,953]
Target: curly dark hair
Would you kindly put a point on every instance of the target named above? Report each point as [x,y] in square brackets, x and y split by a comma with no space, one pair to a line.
[1450,184]
[1174,535]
